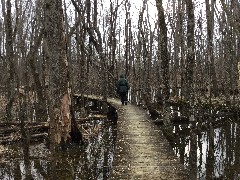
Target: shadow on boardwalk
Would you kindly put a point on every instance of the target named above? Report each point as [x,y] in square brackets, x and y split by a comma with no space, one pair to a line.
[142,152]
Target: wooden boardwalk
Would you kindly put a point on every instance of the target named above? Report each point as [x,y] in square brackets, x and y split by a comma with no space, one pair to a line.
[142,152]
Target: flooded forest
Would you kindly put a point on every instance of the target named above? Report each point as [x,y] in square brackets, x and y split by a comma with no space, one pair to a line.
[180,57]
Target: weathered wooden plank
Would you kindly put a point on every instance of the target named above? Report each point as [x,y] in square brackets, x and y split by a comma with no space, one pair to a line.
[142,152]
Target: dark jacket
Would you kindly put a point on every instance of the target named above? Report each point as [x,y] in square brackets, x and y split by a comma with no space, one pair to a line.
[122,85]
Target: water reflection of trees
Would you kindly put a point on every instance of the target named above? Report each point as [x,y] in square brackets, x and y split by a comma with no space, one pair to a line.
[91,161]
[217,145]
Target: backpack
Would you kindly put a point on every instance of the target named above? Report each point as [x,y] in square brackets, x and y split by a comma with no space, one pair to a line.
[122,85]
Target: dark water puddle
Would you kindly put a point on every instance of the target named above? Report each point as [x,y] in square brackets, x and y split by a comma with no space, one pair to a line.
[91,161]
[217,148]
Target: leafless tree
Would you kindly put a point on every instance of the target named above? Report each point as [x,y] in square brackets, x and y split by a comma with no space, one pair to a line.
[59,92]
[163,53]
[9,57]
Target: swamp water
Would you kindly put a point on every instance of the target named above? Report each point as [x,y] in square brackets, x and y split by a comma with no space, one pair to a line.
[217,147]
[91,161]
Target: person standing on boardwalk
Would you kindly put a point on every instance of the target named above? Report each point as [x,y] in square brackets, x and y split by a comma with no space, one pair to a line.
[122,89]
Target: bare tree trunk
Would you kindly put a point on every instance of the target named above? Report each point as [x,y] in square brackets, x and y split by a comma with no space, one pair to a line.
[176,68]
[59,91]
[163,49]
[25,135]
[41,110]
[190,51]
[9,57]
[210,153]
[190,90]
[144,54]
[163,56]
[183,49]
[210,55]
[93,28]
[126,40]
[113,46]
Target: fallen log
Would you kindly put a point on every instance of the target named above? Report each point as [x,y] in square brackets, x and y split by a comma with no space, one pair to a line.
[9,133]
[175,120]
[90,118]
[33,138]
[13,129]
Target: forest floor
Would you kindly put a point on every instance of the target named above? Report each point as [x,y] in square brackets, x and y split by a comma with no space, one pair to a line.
[142,151]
